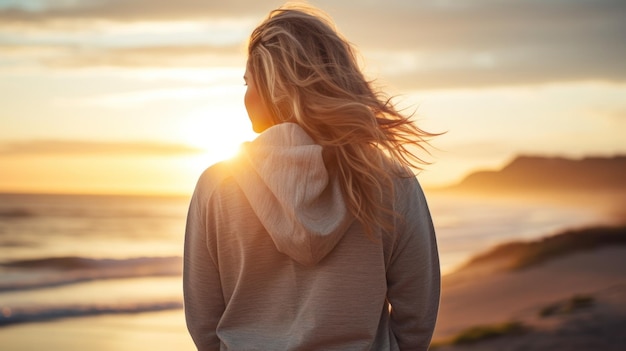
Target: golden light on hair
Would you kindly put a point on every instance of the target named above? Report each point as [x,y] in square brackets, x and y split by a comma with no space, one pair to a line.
[308,74]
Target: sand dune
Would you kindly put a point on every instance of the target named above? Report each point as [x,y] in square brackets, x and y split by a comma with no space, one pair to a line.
[596,276]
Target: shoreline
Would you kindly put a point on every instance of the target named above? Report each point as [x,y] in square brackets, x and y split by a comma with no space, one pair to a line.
[163,330]
[490,300]
[492,297]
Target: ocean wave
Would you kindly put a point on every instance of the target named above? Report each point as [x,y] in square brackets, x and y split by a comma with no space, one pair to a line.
[19,212]
[10,242]
[16,213]
[10,316]
[56,271]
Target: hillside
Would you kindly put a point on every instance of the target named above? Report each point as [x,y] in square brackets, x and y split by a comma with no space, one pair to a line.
[555,174]
[519,255]
[563,292]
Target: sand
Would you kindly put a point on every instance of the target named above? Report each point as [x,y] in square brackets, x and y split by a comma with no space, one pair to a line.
[157,331]
[496,298]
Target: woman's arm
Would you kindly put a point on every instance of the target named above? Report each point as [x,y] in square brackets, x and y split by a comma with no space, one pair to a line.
[204,302]
[413,277]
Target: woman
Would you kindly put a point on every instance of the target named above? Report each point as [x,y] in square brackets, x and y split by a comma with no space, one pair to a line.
[317,236]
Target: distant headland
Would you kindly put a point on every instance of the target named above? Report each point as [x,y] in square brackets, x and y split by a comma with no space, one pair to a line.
[548,174]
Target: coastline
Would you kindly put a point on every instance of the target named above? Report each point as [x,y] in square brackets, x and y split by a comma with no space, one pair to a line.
[574,300]
[487,299]
[491,296]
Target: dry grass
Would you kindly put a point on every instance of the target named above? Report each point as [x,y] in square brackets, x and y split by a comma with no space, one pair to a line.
[484,332]
[577,302]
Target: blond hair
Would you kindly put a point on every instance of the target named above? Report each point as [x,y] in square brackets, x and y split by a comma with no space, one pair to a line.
[307,73]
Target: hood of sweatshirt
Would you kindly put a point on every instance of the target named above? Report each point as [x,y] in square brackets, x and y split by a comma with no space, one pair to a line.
[283,176]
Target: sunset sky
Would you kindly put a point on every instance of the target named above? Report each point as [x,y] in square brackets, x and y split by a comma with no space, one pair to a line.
[140,96]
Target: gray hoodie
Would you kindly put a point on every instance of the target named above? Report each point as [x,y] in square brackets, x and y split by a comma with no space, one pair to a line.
[274,261]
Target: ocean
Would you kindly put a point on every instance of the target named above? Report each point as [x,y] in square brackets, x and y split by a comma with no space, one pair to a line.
[76,269]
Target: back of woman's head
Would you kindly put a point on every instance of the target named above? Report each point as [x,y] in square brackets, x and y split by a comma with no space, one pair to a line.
[300,62]
[306,73]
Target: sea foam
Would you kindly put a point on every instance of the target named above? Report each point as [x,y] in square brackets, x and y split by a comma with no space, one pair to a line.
[56,271]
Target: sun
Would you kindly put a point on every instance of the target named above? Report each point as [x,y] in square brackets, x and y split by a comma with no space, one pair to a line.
[217,131]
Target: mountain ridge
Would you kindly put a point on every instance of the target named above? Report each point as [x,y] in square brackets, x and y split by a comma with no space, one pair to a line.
[542,173]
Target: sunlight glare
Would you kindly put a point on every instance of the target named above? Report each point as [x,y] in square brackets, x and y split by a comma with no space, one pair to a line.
[219,131]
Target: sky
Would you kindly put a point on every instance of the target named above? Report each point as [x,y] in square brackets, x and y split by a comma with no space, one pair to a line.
[140,96]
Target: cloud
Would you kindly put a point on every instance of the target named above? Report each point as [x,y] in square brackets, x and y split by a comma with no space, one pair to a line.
[174,56]
[416,44]
[483,25]
[513,67]
[79,147]
[147,96]
[490,43]
[134,10]
[160,56]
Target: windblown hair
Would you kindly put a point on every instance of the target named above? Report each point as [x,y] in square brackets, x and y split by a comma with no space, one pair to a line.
[307,73]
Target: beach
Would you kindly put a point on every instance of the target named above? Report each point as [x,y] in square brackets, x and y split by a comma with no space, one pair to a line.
[154,331]
[596,278]
[103,273]
[510,114]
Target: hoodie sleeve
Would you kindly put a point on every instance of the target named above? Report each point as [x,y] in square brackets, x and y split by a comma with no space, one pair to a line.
[413,276]
[204,302]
